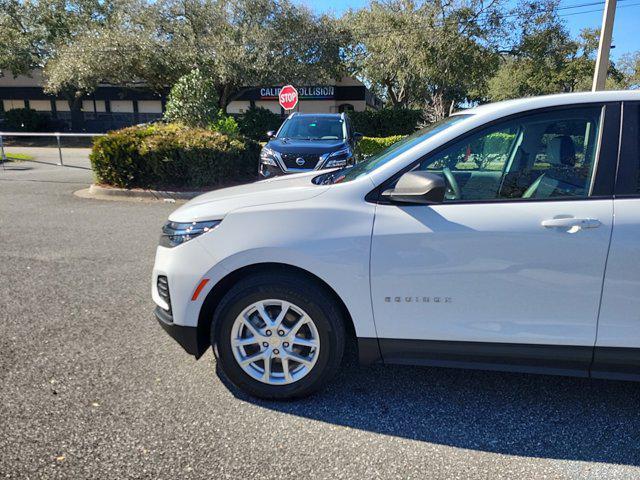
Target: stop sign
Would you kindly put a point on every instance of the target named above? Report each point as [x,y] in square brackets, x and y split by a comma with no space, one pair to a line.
[288,97]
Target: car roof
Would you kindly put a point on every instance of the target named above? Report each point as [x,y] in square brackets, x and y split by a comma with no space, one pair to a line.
[531,103]
[327,115]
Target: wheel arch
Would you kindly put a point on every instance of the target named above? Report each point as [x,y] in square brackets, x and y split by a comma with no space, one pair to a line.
[217,292]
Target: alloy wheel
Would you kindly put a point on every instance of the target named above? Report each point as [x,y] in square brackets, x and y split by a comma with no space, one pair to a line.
[275,342]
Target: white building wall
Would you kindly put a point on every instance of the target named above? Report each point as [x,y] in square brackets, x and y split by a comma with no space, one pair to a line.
[88,106]
[40,105]
[62,106]
[149,106]
[11,104]
[122,106]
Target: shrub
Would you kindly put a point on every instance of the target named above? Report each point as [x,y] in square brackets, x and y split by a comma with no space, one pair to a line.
[226,125]
[172,155]
[386,122]
[25,120]
[371,145]
[192,101]
[257,121]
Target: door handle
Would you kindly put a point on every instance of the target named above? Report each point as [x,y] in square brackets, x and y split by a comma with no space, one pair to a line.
[571,223]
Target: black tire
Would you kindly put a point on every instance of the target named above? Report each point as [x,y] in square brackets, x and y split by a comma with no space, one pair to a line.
[301,291]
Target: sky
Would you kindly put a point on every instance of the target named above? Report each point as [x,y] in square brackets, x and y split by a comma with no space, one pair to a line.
[626,34]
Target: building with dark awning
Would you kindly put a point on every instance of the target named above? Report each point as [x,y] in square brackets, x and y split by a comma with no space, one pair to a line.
[111,107]
[334,97]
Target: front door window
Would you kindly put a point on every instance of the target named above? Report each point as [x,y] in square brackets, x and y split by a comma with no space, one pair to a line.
[541,156]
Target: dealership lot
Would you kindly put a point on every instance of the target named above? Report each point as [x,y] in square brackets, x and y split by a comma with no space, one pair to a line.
[94,389]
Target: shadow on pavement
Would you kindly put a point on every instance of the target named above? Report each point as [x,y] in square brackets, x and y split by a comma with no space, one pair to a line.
[525,415]
[57,164]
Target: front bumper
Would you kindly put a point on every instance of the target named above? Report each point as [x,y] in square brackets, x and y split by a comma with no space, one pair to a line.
[188,337]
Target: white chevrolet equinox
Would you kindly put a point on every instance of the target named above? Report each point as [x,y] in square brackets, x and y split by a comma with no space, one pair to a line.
[505,237]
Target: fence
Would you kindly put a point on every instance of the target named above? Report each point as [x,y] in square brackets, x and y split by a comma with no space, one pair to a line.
[57,136]
[93,121]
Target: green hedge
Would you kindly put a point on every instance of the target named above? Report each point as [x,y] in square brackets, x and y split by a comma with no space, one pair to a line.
[26,120]
[170,156]
[372,145]
[256,122]
[386,122]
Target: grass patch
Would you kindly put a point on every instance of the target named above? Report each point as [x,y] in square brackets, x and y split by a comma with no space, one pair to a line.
[18,156]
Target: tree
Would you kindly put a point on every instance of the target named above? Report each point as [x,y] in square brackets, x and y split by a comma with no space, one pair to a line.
[629,66]
[235,43]
[425,54]
[193,101]
[545,59]
[33,32]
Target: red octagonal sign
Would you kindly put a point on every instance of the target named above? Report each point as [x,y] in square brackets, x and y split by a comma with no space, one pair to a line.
[288,97]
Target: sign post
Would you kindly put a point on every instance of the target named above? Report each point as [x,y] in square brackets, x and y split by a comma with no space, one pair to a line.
[288,97]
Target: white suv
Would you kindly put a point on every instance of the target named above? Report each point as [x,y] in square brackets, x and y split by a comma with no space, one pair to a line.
[505,237]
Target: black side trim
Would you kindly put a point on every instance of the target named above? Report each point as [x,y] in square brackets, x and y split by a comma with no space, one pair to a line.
[627,179]
[368,351]
[616,363]
[607,160]
[187,337]
[510,357]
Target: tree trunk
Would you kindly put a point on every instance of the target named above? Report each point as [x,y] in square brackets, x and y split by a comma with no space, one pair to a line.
[392,95]
[77,118]
[224,97]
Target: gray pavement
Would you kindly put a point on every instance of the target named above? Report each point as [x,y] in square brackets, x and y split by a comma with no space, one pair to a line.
[93,388]
[72,157]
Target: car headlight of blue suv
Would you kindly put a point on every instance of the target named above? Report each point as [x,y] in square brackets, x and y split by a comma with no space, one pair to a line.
[269,157]
[336,159]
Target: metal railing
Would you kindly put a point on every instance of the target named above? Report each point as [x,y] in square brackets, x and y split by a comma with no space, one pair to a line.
[3,155]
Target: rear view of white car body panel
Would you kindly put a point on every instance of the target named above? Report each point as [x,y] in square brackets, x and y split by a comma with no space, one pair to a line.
[489,272]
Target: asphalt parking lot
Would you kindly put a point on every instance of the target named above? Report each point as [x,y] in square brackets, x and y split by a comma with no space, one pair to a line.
[93,388]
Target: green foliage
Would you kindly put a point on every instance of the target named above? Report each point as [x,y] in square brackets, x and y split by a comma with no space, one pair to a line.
[497,142]
[235,44]
[172,156]
[430,54]
[371,145]
[256,122]
[193,101]
[386,122]
[225,124]
[25,120]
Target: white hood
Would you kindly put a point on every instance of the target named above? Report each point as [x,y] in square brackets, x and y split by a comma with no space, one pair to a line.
[217,203]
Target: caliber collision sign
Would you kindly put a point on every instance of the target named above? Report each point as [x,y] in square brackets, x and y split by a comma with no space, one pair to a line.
[288,97]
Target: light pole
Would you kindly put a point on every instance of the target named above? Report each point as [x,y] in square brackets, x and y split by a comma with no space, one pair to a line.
[602,62]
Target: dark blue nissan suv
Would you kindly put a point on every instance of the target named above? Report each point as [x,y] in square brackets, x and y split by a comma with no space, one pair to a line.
[308,142]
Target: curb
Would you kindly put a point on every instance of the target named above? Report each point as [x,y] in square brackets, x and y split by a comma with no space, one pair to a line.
[112,193]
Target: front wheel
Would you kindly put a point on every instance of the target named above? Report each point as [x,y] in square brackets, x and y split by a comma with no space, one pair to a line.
[278,336]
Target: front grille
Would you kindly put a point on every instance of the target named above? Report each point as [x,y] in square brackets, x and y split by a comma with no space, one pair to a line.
[163,290]
[310,161]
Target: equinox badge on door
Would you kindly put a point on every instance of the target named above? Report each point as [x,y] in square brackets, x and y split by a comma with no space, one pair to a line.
[418,299]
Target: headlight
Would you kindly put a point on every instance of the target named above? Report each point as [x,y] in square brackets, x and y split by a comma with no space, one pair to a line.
[269,157]
[176,233]
[336,159]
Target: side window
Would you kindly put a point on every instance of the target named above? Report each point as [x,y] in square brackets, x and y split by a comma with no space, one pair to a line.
[543,155]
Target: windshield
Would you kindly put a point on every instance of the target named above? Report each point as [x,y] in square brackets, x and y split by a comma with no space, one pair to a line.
[313,127]
[376,161]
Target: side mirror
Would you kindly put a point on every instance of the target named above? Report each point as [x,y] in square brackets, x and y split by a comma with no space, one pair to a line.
[418,187]
[271,134]
[357,136]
